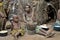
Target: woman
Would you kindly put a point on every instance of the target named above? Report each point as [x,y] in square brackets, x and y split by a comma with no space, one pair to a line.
[30,18]
[2,14]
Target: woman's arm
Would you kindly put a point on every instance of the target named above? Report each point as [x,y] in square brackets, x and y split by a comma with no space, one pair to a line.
[34,16]
[9,6]
[24,18]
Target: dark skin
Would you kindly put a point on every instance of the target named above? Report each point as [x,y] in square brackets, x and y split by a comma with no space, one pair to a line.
[2,15]
[1,1]
[29,12]
[47,33]
[2,18]
[16,25]
[28,9]
[16,22]
[15,19]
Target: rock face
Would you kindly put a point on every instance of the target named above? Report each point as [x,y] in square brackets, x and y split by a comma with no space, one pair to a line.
[41,8]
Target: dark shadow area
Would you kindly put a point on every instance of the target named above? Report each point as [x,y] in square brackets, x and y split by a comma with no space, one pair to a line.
[51,13]
[47,0]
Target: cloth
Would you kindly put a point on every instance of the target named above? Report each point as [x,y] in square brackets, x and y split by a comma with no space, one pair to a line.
[40,27]
[30,23]
[56,26]
[1,4]
[31,27]
[57,23]
[1,23]
[19,31]
[8,24]
[2,8]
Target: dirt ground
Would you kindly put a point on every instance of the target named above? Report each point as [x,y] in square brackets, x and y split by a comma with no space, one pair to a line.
[40,37]
[33,37]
